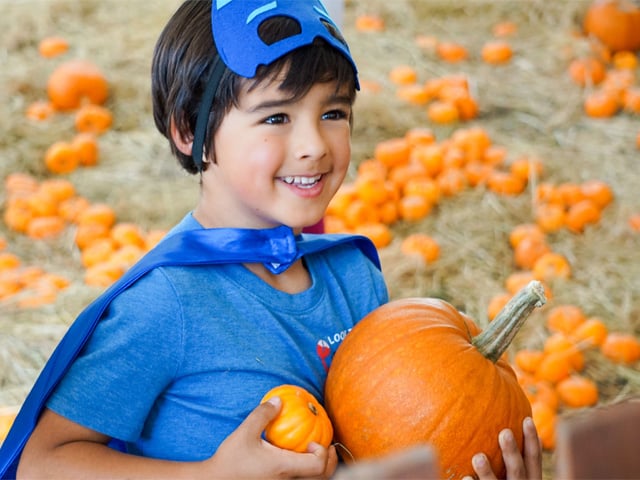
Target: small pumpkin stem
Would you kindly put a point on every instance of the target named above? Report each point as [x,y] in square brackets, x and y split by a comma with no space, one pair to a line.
[493,341]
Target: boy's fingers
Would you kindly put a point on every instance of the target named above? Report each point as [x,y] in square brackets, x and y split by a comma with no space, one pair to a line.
[513,460]
[317,462]
[482,467]
[328,454]
[258,419]
[532,449]
[315,448]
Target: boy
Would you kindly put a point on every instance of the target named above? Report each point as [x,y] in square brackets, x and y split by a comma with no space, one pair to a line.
[182,354]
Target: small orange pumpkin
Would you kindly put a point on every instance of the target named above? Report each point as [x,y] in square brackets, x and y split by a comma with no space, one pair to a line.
[392,151]
[94,119]
[61,157]
[301,420]
[86,147]
[451,52]
[541,391]
[443,111]
[578,391]
[528,360]
[545,419]
[88,233]
[7,416]
[505,183]
[505,28]
[403,75]
[413,208]
[45,227]
[39,110]
[621,348]
[601,104]
[52,46]
[418,371]
[496,52]
[74,81]
[421,245]
[587,71]
[379,233]
[369,23]
[103,274]
[616,23]
[592,332]
[565,318]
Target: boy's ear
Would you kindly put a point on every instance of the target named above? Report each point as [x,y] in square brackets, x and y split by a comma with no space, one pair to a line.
[185,145]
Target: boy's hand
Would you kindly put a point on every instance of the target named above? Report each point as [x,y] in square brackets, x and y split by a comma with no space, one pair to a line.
[519,467]
[245,454]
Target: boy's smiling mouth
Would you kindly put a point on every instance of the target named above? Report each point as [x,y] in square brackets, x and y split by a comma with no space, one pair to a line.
[302,182]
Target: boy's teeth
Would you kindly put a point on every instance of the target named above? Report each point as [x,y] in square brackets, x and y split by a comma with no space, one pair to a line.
[301,180]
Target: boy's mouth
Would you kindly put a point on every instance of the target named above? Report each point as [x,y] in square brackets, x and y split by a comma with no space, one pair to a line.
[302,182]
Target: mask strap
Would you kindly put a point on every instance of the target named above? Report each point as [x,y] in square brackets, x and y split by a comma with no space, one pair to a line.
[203,113]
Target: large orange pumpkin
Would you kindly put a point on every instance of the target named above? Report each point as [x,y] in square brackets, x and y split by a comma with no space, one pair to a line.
[616,23]
[419,371]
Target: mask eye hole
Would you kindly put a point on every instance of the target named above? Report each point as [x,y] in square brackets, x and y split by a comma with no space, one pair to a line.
[274,29]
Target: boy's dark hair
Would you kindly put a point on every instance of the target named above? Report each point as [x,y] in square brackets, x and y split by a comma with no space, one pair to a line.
[183,59]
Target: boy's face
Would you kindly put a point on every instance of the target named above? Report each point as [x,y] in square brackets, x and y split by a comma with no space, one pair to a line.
[277,161]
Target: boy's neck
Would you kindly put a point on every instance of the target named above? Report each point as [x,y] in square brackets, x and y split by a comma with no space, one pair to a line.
[295,279]
[208,222]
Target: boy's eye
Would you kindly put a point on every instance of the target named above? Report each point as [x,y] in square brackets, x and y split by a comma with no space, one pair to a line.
[335,115]
[276,119]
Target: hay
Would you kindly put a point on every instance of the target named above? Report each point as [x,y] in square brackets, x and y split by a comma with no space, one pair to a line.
[530,106]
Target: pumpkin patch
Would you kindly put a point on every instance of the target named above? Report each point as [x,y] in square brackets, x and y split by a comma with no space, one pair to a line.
[521,172]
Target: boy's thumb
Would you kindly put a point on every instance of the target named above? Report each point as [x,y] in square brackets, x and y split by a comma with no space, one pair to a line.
[275,402]
[265,412]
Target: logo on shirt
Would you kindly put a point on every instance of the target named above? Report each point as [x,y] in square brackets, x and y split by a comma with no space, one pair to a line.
[326,345]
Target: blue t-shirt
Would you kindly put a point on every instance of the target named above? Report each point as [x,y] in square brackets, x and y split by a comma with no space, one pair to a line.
[182,357]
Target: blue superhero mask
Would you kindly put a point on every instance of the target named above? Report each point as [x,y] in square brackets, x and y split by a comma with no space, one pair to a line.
[235,23]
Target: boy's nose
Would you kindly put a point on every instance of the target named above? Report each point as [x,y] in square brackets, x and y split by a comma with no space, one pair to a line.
[309,141]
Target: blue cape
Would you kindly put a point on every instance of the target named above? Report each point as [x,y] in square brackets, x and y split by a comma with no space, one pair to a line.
[276,248]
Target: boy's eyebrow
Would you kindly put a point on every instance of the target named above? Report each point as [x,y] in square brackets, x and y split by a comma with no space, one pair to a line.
[268,104]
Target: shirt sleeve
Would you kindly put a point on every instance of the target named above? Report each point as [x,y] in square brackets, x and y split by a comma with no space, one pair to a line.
[131,357]
[358,274]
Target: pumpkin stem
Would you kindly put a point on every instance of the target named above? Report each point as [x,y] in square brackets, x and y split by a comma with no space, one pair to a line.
[493,341]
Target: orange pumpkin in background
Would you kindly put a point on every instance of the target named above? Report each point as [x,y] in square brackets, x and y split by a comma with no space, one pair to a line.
[52,46]
[74,82]
[301,420]
[616,23]
[418,371]
[7,416]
